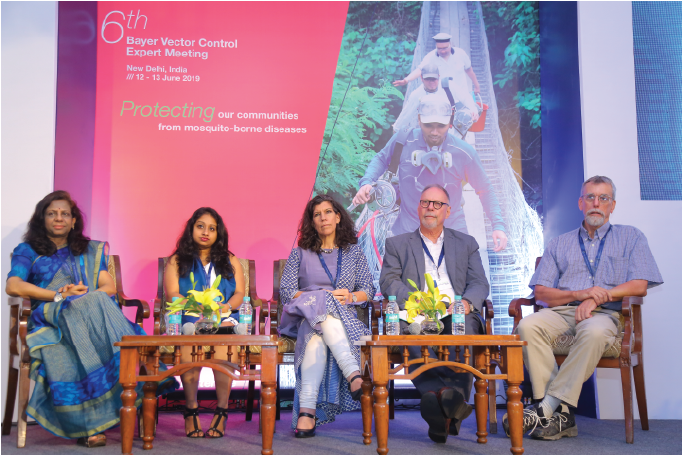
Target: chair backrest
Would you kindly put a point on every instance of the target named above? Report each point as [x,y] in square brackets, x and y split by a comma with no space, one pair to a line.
[248,267]
[114,269]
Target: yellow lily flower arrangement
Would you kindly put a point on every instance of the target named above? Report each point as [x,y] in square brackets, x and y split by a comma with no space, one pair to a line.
[201,302]
[429,303]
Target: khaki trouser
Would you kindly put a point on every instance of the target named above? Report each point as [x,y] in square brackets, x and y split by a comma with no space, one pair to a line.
[593,337]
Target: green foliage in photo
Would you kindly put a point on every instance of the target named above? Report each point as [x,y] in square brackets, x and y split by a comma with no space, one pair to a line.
[362,83]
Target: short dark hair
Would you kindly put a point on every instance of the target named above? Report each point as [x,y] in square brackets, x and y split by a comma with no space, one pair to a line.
[435,185]
[36,234]
[308,238]
[186,250]
[599,179]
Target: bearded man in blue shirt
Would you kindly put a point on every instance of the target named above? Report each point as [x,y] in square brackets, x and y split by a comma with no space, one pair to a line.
[582,277]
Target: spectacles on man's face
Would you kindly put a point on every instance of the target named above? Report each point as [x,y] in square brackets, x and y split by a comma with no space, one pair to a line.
[603,198]
[436,204]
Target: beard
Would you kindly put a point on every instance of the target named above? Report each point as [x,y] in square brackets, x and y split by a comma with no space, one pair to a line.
[595,218]
[431,222]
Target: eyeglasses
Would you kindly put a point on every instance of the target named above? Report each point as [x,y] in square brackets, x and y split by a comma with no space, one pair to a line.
[605,198]
[436,204]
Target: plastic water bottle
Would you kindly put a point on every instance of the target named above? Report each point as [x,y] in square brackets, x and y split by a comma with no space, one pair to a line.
[174,322]
[458,317]
[380,322]
[246,314]
[392,321]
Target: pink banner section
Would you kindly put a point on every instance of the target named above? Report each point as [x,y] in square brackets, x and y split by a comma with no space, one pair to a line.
[208,104]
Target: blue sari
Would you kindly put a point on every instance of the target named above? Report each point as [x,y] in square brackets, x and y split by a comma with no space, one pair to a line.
[226,287]
[74,362]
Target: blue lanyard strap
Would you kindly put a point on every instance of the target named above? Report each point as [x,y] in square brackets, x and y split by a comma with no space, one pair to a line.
[338,268]
[598,258]
[207,276]
[440,258]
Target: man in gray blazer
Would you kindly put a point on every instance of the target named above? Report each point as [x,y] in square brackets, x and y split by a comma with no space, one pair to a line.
[453,260]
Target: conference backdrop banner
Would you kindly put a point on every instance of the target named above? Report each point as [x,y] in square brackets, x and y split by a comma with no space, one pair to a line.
[492,171]
[251,108]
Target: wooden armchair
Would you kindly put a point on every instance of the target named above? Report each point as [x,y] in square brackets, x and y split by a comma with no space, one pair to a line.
[249,268]
[625,354]
[20,312]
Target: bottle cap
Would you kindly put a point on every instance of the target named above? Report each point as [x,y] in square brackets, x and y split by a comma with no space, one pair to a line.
[174,299]
[391,298]
[247,299]
[458,297]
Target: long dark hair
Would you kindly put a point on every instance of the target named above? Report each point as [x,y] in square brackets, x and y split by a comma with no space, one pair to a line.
[308,238]
[36,234]
[186,250]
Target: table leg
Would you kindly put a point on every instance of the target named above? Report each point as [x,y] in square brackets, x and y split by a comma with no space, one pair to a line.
[481,397]
[380,379]
[128,380]
[514,406]
[366,399]
[268,377]
[149,414]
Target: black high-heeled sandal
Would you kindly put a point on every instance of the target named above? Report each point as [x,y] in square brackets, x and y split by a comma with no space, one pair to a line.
[193,413]
[306,433]
[220,412]
[358,393]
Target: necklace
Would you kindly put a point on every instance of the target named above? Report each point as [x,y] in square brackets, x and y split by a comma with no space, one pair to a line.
[328,250]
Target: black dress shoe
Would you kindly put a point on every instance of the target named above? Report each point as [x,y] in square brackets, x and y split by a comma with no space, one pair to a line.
[433,415]
[300,434]
[454,407]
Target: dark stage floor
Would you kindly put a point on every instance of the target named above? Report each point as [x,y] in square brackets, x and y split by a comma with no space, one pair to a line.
[407,436]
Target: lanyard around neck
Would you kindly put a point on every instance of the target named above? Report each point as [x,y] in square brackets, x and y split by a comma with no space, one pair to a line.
[593,272]
[207,275]
[428,253]
[338,268]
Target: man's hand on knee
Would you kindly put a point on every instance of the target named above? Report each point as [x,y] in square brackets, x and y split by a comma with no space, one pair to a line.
[584,310]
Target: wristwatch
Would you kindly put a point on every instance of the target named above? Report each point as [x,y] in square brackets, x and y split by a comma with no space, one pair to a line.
[355,297]
[58,297]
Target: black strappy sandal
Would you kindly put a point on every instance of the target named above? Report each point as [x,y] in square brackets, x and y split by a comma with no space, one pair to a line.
[220,412]
[193,413]
[306,433]
[358,393]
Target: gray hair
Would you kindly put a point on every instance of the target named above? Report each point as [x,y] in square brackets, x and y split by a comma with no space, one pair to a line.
[599,179]
[435,185]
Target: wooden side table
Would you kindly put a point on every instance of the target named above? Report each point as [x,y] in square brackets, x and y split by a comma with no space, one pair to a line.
[504,350]
[140,362]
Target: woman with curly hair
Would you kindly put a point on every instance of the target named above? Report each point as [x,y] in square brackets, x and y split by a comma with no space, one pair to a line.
[74,323]
[203,250]
[325,276]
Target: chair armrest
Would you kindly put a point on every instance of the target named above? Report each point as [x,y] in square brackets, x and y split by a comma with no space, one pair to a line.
[273,314]
[515,308]
[632,318]
[489,314]
[141,305]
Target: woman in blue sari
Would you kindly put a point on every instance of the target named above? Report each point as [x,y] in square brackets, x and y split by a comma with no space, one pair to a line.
[74,323]
[202,249]
[323,280]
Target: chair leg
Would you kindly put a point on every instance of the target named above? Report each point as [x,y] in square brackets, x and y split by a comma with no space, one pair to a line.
[278,405]
[391,400]
[626,380]
[492,406]
[24,385]
[640,390]
[11,397]
[249,398]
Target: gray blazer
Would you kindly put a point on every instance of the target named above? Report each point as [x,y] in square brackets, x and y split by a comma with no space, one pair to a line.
[404,258]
